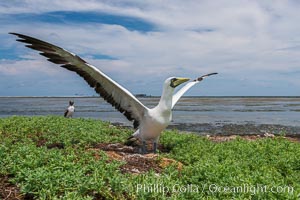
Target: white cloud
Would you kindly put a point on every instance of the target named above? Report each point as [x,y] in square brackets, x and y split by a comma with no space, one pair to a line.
[235,38]
[27,67]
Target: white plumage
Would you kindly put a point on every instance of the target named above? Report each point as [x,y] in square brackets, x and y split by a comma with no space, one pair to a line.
[150,122]
[70,110]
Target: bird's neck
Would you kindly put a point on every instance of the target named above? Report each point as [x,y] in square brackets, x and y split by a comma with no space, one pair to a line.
[165,102]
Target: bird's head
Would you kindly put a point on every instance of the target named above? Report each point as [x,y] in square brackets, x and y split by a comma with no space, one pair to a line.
[173,82]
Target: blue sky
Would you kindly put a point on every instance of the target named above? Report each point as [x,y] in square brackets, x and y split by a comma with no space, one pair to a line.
[253,45]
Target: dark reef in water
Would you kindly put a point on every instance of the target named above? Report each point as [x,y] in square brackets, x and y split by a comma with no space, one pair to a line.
[225,129]
[238,129]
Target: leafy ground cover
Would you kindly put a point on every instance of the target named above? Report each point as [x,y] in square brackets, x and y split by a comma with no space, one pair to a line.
[56,158]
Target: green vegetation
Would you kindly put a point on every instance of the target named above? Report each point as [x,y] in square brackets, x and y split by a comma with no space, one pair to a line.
[261,169]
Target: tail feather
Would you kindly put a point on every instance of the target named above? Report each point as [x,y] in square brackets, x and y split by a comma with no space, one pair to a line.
[66,112]
[132,141]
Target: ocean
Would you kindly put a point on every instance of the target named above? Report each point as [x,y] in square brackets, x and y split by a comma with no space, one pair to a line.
[190,113]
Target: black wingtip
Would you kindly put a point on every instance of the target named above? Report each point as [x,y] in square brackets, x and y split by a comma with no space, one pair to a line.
[214,73]
[206,75]
[23,37]
[13,33]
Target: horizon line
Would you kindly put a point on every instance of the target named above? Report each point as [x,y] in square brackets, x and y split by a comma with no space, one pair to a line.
[155,96]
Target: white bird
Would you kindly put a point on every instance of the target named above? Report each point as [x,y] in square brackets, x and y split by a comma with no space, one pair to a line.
[149,122]
[70,110]
[163,110]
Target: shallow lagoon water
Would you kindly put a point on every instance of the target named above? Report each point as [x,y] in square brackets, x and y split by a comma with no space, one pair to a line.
[190,113]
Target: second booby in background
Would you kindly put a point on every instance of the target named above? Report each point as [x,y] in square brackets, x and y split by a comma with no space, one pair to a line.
[70,110]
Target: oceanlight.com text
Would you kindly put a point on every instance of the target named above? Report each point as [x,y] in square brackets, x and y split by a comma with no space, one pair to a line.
[212,188]
[252,189]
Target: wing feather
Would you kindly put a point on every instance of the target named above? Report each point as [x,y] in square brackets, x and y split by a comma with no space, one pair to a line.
[111,91]
[187,86]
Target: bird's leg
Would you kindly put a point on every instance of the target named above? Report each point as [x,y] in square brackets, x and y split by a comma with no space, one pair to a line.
[144,147]
[155,142]
[154,146]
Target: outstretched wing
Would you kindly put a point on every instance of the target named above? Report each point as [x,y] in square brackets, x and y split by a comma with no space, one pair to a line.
[112,92]
[185,88]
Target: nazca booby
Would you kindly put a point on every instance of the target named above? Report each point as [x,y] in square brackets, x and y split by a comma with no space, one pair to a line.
[149,122]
